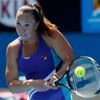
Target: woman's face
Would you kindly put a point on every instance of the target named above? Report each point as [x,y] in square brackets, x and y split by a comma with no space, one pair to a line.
[26,25]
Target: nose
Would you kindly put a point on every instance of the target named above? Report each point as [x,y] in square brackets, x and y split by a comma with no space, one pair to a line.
[22,30]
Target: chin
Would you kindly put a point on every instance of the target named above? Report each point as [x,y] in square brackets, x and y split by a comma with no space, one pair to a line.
[25,38]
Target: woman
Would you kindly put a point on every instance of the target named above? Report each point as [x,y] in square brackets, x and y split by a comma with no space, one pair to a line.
[31,54]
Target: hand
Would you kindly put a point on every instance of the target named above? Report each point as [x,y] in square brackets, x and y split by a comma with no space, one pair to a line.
[53,78]
[40,85]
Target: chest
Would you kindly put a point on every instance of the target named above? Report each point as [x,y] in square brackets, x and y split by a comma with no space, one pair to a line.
[29,50]
[35,62]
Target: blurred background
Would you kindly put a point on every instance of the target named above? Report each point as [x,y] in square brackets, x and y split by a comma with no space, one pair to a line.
[78,20]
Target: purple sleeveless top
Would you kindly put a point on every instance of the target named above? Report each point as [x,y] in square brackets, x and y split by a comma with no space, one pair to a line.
[39,66]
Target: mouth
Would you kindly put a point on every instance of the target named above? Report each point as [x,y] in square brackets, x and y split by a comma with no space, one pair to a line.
[23,35]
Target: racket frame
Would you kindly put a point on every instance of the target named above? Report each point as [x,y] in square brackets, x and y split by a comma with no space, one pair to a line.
[68,85]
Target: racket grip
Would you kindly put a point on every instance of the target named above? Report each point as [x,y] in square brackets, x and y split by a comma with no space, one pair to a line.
[55,80]
[55,83]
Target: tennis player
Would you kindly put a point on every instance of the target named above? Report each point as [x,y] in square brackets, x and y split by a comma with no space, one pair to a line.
[31,53]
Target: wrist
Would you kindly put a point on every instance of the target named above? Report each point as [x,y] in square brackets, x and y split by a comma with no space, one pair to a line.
[31,83]
[28,83]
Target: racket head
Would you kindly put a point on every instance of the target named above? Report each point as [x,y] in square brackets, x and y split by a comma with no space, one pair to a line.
[87,85]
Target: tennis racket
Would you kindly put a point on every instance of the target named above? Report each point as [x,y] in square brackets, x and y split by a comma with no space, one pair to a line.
[86,83]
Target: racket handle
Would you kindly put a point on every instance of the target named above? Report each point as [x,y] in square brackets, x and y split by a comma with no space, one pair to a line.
[55,83]
[55,80]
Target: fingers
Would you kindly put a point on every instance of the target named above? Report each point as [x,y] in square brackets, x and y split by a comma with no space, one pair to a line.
[52,81]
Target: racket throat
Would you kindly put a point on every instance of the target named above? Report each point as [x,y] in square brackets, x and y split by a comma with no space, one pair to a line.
[66,86]
[56,83]
[98,92]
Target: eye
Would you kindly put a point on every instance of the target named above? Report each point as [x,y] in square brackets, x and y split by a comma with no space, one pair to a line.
[27,25]
[18,23]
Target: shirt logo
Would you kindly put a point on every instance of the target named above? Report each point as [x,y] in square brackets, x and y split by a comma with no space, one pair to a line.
[44,57]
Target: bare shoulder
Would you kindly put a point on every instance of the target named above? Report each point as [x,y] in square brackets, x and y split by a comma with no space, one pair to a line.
[56,38]
[60,44]
[14,43]
[12,47]
[11,61]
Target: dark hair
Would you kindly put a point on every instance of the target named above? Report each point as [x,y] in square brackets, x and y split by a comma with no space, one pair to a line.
[44,24]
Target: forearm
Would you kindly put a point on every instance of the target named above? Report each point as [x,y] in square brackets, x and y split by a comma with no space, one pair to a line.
[17,86]
[22,86]
[66,64]
[63,69]
[61,72]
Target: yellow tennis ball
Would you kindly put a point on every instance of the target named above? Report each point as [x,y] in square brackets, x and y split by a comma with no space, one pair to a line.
[79,71]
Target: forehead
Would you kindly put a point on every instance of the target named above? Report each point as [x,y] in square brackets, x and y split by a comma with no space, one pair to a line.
[25,17]
[25,12]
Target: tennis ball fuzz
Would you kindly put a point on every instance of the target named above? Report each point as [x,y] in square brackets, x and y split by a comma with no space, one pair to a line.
[79,71]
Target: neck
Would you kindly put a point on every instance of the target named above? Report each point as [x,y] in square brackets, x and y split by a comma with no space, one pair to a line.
[33,40]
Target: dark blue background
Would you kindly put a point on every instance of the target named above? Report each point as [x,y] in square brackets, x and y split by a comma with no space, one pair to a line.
[82,44]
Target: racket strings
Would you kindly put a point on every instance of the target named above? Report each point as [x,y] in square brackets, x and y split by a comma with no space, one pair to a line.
[82,86]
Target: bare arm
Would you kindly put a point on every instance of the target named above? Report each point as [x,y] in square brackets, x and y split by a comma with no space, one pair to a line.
[16,86]
[64,51]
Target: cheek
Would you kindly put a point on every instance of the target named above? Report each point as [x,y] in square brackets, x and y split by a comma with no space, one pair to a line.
[17,29]
[32,28]
[29,29]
